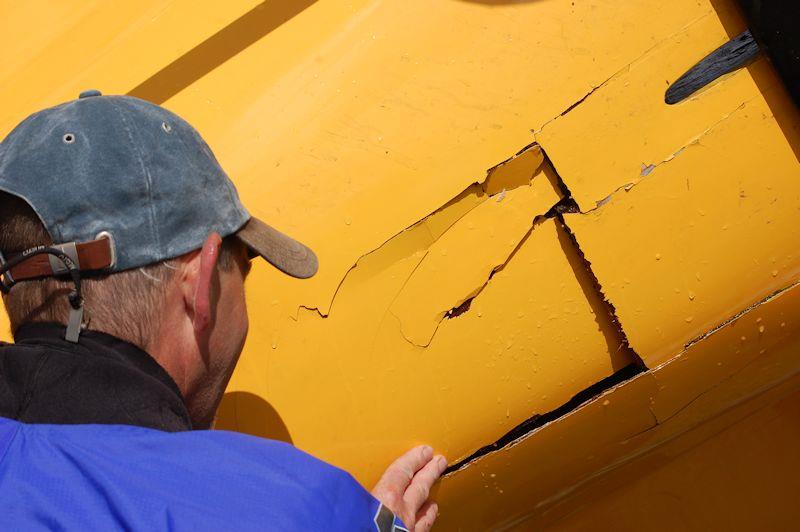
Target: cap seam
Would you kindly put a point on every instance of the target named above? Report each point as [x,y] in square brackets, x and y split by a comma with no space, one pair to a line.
[146,173]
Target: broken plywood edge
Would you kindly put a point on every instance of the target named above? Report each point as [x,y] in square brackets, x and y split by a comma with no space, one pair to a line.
[738,315]
[721,355]
[608,306]
[537,422]
[603,435]
[604,312]
[512,173]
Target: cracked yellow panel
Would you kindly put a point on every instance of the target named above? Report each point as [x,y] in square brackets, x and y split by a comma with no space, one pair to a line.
[730,353]
[351,389]
[681,402]
[704,236]
[345,127]
[624,130]
[488,235]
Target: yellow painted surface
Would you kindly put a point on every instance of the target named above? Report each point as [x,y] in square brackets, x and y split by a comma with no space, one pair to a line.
[742,478]
[703,236]
[384,134]
[565,462]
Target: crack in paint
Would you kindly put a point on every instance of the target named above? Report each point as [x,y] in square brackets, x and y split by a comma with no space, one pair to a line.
[539,421]
[648,169]
[475,293]
[735,317]
[622,70]
[495,185]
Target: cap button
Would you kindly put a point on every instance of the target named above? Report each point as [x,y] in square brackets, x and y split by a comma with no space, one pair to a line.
[89,93]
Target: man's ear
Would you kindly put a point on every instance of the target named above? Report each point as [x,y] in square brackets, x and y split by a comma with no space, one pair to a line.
[205,282]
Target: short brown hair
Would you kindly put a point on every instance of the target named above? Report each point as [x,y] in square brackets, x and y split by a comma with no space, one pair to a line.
[126,304]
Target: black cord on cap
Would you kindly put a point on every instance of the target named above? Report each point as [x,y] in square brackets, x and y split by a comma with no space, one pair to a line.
[75,296]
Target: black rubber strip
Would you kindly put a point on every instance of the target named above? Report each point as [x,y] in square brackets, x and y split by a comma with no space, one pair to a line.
[731,56]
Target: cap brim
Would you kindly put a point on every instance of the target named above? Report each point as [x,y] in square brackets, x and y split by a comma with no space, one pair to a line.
[280,250]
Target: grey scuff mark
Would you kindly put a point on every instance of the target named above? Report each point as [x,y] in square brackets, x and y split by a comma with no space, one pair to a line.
[647,169]
[619,72]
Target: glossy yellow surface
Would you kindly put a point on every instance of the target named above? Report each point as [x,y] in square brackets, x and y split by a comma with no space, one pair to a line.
[396,139]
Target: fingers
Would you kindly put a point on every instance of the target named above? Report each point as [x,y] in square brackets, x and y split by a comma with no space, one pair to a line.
[398,476]
[417,492]
[426,516]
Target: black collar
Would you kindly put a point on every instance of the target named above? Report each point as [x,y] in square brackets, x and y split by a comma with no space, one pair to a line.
[101,379]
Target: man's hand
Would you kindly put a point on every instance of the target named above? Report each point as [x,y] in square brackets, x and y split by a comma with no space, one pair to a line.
[405,487]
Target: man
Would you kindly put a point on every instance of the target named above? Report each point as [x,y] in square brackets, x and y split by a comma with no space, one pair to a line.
[124,251]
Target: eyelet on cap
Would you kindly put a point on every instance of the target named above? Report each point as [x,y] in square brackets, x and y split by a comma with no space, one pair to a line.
[68,138]
[166,127]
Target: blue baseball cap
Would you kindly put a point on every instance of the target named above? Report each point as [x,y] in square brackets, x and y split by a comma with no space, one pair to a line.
[138,178]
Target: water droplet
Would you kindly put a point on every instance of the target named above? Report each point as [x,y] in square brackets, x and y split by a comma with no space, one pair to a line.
[691,295]
[774,273]
[606,402]
[743,338]
[347,221]
[274,344]
[658,256]
[761,329]
[689,319]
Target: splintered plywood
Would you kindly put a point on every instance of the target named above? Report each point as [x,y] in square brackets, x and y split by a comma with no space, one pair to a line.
[624,129]
[706,235]
[529,342]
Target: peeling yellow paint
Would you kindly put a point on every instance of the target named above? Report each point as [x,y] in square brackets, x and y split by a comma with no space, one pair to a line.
[486,237]
[704,236]
[625,130]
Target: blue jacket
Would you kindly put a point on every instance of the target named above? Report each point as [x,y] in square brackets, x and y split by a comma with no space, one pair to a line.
[116,477]
[96,436]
